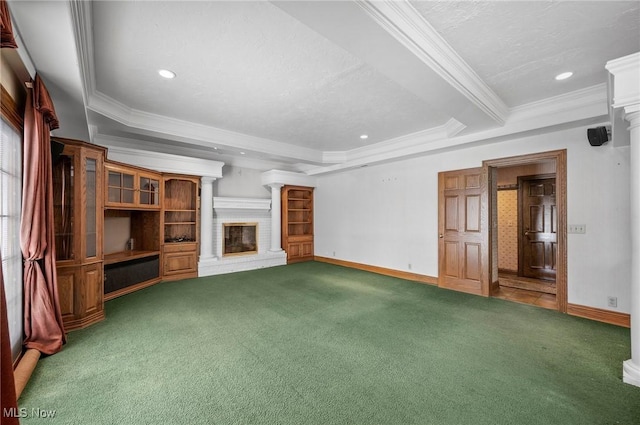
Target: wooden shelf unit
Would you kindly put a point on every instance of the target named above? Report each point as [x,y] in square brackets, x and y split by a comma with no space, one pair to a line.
[78,203]
[88,191]
[126,274]
[180,226]
[130,270]
[297,223]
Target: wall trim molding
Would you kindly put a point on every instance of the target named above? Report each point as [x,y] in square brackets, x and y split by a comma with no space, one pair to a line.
[430,280]
[586,312]
[241,203]
[600,315]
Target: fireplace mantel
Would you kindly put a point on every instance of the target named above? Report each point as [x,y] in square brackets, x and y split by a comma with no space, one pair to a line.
[241,210]
[223,203]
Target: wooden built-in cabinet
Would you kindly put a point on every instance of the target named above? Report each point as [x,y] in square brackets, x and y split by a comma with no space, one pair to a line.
[118,229]
[133,196]
[132,187]
[297,223]
[180,226]
[132,267]
[78,208]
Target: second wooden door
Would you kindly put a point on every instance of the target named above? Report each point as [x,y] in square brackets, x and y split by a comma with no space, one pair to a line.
[538,228]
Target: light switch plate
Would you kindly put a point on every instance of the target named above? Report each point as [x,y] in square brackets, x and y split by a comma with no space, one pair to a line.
[577,228]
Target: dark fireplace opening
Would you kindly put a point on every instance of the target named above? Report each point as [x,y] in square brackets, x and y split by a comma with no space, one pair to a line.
[240,238]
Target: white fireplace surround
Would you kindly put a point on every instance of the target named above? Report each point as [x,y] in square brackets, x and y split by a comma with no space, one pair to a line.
[240,210]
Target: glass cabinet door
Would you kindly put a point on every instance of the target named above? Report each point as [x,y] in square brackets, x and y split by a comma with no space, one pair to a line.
[121,188]
[63,174]
[149,191]
[91,207]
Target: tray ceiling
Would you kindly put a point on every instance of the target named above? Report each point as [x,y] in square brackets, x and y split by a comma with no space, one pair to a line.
[293,85]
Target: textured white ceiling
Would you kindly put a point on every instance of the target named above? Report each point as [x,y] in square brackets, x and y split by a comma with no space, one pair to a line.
[518,47]
[251,68]
[294,84]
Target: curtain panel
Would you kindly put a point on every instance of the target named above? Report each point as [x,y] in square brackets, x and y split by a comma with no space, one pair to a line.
[43,327]
[6,29]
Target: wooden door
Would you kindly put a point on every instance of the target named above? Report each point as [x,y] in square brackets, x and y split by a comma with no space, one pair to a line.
[538,228]
[463,225]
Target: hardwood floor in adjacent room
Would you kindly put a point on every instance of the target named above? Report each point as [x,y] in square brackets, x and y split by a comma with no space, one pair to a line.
[525,296]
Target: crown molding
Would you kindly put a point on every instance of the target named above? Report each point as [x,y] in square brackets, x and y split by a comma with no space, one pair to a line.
[83,38]
[276,177]
[580,102]
[199,134]
[204,135]
[586,106]
[626,80]
[334,157]
[164,162]
[407,143]
[408,26]
[405,24]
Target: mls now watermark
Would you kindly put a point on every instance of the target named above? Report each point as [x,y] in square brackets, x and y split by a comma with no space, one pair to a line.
[23,412]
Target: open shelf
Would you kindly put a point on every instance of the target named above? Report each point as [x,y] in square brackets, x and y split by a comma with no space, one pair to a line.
[118,257]
[297,223]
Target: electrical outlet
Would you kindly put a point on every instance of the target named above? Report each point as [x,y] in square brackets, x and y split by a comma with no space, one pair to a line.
[612,301]
[577,228]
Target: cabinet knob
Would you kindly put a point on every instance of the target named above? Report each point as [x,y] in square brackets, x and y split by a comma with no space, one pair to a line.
[441,236]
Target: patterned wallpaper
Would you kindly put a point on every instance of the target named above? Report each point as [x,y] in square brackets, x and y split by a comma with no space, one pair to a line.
[508,230]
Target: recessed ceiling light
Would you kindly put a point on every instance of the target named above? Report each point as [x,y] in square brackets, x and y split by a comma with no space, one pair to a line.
[165,73]
[364,136]
[564,76]
[241,153]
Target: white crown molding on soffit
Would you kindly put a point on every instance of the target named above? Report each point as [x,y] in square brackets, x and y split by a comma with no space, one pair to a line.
[585,106]
[334,157]
[389,148]
[287,177]
[206,135]
[392,146]
[110,141]
[626,84]
[409,27]
[166,162]
[83,38]
[582,102]
[199,134]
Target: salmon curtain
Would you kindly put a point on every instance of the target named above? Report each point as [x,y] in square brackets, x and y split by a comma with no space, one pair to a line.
[43,327]
[6,30]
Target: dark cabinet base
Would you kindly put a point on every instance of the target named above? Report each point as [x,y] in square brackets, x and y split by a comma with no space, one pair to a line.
[127,276]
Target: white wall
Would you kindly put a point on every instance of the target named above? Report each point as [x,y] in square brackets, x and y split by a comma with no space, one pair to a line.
[387,215]
[237,182]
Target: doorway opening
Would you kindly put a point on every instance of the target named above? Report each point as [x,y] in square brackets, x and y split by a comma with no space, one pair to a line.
[527,196]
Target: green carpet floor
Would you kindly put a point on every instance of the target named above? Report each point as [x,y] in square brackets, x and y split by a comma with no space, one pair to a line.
[314,343]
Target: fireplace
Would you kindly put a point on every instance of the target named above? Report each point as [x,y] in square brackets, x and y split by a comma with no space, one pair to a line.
[241,212]
[240,238]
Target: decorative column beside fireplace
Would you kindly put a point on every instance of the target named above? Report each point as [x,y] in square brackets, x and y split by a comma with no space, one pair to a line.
[206,219]
[232,217]
[276,214]
[626,98]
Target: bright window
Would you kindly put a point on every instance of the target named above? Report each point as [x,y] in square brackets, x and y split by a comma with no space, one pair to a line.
[10,207]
